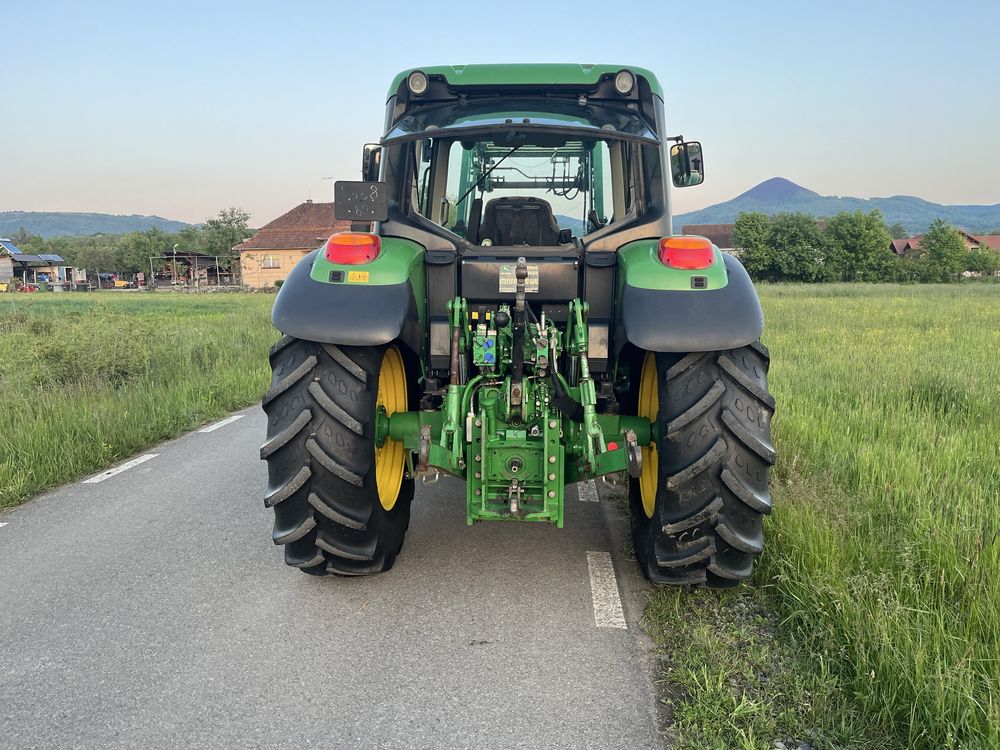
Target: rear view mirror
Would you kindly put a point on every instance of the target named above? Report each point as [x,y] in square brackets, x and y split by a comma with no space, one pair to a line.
[686,165]
[370,162]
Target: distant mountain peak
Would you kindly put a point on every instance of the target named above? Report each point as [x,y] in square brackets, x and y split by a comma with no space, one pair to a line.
[778,195]
[777,190]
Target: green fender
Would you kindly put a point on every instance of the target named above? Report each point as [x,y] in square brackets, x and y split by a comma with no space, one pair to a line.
[356,305]
[663,309]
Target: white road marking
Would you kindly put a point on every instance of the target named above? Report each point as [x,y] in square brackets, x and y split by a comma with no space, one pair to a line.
[223,423]
[587,491]
[3,524]
[604,590]
[119,469]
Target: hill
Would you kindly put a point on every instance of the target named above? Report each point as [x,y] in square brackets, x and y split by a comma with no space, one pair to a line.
[779,195]
[62,224]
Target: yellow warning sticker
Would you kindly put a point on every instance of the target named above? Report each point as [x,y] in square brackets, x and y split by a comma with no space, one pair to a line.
[359,277]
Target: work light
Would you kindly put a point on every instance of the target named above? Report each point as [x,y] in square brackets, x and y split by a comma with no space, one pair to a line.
[624,82]
[416,82]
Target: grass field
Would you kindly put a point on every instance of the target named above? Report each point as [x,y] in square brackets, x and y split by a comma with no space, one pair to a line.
[874,618]
[883,561]
[87,380]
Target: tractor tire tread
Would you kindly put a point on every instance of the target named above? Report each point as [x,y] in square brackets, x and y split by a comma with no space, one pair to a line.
[320,455]
[705,403]
[327,404]
[715,452]
[341,517]
[289,380]
[282,438]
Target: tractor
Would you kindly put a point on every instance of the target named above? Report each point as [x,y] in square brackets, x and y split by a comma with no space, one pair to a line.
[512,307]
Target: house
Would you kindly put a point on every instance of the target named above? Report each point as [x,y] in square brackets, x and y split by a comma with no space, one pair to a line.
[270,255]
[721,235]
[909,245]
[991,241]
[29,269]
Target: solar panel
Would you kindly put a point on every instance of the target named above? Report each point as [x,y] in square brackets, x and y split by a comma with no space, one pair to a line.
[22,258]
[9,246]
[51,257]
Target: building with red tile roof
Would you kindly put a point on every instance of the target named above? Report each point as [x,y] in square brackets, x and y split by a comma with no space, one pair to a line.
[270,255]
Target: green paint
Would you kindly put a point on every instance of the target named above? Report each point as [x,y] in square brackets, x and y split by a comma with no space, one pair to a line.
[528,451]
[521,74]
[640,266]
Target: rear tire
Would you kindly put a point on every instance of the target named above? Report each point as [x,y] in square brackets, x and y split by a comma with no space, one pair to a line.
[697,511]
[321,458]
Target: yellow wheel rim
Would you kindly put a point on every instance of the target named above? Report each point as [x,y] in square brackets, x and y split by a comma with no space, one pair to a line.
[390,459]
[649,407]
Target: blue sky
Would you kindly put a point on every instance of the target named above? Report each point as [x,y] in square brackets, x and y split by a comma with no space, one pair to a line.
[181,109]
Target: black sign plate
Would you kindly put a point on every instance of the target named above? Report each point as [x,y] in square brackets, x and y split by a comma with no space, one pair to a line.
[361,201]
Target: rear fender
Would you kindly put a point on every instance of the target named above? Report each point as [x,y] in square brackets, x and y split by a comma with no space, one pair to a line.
[664,309]
[357,305]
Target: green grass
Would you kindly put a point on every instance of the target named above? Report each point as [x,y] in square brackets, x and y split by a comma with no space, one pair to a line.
[882,564]
[87,380]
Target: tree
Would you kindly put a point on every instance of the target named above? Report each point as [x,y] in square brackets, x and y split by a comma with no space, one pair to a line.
[21,237]
[798,247]
[898,231]
[752,237]
[95,253]
[858,247]
[220,235]
[984,261]
[136,248]
[944,253]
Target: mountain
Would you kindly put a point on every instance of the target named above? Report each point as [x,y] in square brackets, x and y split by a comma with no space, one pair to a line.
[573,223]
[779,195]
[60,224]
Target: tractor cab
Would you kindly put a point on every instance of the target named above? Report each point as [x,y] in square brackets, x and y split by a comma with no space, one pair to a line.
[482,172]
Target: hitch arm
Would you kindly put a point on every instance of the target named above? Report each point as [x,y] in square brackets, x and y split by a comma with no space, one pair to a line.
[594,438]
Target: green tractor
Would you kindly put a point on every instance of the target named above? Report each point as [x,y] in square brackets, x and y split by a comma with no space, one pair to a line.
[511,307]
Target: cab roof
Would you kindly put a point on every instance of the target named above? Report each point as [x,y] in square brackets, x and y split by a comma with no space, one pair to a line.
[526,74]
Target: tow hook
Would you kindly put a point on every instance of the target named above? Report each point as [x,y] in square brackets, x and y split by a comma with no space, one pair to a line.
[633,454]
[425,449]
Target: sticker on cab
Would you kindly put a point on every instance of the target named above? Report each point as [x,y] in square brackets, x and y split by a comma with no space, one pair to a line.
[508,280]
[358,277]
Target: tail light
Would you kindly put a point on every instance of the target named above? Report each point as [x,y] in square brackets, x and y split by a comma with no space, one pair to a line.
[686,252]
[352,248]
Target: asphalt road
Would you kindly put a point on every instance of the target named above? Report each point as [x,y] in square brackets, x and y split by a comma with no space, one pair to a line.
[151,610]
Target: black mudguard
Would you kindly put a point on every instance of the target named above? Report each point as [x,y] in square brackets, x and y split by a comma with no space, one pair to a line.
[348,314]
[694,321]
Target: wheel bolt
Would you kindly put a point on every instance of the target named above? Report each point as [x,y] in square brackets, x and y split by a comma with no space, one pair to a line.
[552,493]
[552,477]
[552,459]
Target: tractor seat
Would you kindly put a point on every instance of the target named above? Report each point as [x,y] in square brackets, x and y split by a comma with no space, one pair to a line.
[519,221]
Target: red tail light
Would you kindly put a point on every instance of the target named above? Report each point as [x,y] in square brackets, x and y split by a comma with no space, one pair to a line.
[686,252]
[352,248]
